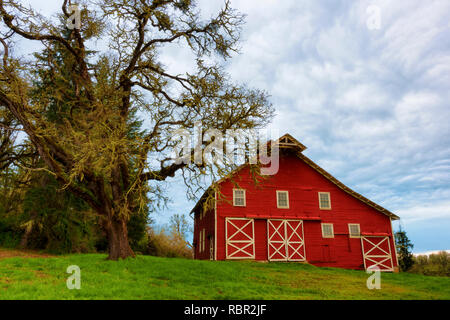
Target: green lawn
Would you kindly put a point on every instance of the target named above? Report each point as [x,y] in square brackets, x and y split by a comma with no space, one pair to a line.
[168,278]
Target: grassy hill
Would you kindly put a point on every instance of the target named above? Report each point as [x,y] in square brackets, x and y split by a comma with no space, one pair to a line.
[31,276]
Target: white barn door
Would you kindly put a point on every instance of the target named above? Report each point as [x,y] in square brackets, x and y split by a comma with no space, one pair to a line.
[240,238]
[285,240]
[377,253]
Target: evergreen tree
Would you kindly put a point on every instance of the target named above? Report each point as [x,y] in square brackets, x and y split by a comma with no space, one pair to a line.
[56,220]
[404,245]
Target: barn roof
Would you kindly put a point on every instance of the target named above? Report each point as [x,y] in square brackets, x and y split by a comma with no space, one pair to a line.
[288,142]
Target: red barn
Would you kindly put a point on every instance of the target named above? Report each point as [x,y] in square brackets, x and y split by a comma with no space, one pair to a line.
[301,213]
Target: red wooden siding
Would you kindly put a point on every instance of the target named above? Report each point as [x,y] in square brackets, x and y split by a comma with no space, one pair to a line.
[207,223]
[261,239]
[303,184]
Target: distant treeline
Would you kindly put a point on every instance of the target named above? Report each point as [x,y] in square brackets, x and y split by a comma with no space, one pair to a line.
[436,264]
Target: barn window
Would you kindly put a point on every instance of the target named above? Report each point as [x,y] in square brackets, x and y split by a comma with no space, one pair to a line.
[353,230]
[200,241]
[239,197]
[282,199]
[324,201]
[327,230]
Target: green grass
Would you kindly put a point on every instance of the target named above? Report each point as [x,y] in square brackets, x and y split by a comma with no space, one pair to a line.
[148,277]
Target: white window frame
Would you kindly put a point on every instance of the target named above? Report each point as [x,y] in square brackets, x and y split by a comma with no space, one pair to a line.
[287,199]
[332,230]
[234,198]
[329,201]
[350,230]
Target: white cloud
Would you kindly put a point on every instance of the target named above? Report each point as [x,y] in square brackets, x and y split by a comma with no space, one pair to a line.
[363,97]
[426,211]
[337,44]
[427,253]
[412,30]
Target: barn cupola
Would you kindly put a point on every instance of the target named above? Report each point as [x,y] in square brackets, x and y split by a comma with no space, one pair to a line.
[289,143]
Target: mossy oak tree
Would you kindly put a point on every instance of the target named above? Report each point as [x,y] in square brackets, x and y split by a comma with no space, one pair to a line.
[89,148]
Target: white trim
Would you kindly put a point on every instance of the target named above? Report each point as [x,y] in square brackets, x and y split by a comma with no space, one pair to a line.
[234,198]
[387,256]
[350,230]
[230,242]
[329,201]
[393,241]
[332,230]
[215,225]
[287,199]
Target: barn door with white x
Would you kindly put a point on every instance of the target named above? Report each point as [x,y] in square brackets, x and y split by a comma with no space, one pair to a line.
[276,240]
[240,238]
[377,253]
[285,240]
[295,240]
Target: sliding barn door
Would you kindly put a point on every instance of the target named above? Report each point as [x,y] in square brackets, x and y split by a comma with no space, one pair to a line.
[295,240]
[240,238]
[377,253]
[276,240]
[285,240]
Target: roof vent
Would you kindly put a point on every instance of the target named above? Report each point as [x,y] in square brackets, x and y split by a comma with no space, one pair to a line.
[288,142]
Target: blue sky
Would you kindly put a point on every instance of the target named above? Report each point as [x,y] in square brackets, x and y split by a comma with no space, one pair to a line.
[371,105]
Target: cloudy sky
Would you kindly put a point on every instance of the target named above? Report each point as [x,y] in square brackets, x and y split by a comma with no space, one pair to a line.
[369,97]
[370,100]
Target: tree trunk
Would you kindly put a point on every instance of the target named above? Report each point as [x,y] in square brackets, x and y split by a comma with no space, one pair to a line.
[24,240]
[118,245]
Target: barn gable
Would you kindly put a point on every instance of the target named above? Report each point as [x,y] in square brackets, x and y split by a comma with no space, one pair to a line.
[287,142]
[347,189]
